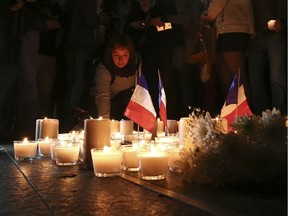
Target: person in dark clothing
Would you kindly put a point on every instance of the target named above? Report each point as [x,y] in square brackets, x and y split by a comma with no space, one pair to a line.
[116,77]
[9,70]
[267,56]
[80,48]
[47,57]
[156,48]
[30,24]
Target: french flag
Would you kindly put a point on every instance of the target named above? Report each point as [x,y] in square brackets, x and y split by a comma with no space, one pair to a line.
[140,108]
[162,102]
[236,102]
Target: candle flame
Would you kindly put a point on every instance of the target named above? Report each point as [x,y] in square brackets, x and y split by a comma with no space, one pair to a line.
[100,118]
[25,140]
[46,138]
[106,149]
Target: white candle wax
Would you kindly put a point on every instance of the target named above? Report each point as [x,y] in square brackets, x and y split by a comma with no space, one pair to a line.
[106,163]
[130,159]
[25,149]
[174,155]
[49,128]
[153,164]
[97,135]
[115,126]
[126,126]
[183,129]
[66,154]
[160,128]
[172,126]
[44,147]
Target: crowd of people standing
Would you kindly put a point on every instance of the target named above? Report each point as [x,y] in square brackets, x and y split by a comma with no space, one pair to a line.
[52,52]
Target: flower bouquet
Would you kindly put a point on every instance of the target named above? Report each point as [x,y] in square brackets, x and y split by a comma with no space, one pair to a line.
[254,153]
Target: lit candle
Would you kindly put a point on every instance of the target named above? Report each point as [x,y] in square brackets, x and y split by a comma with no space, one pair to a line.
[153,164]
[97,135]
[44,147]
[130,160]
[126,127]
[183,129]
[25,150]
[115,126]
[160,128]
[106,162]
[174,155]
[66,153]
[172,126]
[49,128]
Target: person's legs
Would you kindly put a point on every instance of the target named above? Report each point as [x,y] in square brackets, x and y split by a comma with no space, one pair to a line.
[27,85]
[277,55]
[190,88]
[257,67]
[46,76]
[82,62]
[235,61]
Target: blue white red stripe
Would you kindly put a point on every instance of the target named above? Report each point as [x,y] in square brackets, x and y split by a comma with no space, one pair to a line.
[162,102]
[236,103]
[140,108]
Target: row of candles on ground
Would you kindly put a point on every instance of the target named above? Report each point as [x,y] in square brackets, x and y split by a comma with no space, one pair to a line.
[99,147]
[99,144]
[151,158]
[105,128]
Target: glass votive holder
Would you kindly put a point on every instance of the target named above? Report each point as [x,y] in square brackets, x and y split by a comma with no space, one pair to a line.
[106,162]
[129,138]
[53,143]
[153,164]
[145,135]
[25,150]
[129,158]
[174,156]
[66,153]
[172,127]
[44,147]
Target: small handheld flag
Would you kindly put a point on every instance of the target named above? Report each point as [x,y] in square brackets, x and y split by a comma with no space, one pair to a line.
[140,108]
[236,103]
[162,102]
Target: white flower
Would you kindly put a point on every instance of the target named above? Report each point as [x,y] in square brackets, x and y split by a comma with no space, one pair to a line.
[269,116]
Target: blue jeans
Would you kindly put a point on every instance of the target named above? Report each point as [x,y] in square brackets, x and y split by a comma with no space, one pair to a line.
[267,65]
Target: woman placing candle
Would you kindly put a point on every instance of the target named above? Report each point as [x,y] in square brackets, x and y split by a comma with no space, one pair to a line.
[115,78]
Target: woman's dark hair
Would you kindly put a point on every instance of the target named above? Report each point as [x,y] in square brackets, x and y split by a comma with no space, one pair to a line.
[119,41]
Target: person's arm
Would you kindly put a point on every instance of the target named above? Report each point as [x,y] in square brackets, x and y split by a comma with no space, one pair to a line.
[215,7]
[102,91]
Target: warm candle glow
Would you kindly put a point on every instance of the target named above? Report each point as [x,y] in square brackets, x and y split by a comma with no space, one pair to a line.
[106,162]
